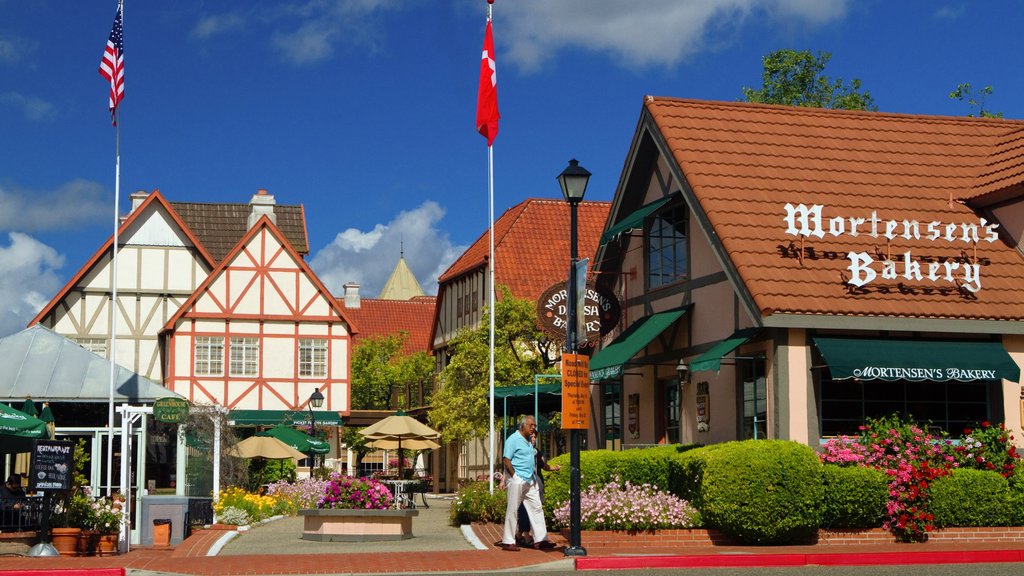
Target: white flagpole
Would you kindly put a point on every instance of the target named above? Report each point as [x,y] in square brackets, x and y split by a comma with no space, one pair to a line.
[490,294]
[113,307]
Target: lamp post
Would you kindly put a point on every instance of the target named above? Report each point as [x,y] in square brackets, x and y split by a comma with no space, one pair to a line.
[316,400]
[573,181]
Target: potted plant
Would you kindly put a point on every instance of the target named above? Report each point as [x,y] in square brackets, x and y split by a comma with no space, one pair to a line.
[356,510]
[108,516]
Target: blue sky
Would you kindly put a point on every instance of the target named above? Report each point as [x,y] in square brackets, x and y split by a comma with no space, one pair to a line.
[363,110]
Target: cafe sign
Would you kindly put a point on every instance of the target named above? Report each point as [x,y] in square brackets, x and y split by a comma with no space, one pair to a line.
[961,271]
[601,310]
[170,410]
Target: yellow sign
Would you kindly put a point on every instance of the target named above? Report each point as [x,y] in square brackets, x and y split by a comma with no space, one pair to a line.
[575,392]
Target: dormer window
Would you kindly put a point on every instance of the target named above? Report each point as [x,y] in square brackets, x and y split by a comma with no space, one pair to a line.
[666,234]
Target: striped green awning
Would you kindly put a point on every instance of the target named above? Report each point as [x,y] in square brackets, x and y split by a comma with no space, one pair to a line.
[608,361]
[712,359]
[634,220]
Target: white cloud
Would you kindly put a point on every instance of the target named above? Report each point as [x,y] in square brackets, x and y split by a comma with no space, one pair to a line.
[27,279]
[649,33]
[35,109]
[215,24]
[306,31]
[15,50]
[369,257]
[74,204]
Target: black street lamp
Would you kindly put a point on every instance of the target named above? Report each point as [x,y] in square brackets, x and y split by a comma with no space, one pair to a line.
[573,181]
[316,400]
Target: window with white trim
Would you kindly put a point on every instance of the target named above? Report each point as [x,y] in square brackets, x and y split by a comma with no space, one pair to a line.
[245,355]
[95,345]
[209,355]
[312,357]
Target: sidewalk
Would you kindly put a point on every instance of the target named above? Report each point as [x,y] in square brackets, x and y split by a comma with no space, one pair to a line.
[275,548]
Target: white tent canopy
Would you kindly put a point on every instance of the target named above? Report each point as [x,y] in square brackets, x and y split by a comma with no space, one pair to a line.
[41,364]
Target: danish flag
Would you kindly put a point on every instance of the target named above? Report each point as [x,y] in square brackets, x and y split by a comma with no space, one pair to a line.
[487,98]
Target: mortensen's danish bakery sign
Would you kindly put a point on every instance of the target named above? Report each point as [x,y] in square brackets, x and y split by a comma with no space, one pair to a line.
[901,265]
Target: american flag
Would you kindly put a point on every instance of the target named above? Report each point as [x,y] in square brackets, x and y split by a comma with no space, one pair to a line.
[112,65]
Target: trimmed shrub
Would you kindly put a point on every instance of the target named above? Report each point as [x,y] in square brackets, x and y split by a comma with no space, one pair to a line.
[687,472]
[854,497]
[475,503]
[763,491]
[971,498]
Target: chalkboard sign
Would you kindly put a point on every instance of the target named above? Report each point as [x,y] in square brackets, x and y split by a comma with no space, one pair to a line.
[53,465]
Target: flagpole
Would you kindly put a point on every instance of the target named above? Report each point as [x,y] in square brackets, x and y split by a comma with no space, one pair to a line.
[113,304]
[493,448]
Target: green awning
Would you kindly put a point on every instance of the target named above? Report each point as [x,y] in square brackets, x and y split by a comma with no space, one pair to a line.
[527,390]
[608,361]
[712,359]
[917,360]
[299,440]
[284,417]
[634,220]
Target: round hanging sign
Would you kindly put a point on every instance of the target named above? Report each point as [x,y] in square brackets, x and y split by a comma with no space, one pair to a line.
[601,308]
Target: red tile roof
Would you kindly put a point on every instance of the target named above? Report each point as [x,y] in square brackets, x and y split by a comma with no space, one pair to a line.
[378,317]
[531,245]
[745,162]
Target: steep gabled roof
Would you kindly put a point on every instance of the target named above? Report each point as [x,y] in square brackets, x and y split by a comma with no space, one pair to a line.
[744,162]
[531,245]
[1003,169]
[263,223]
[378,317]
[219,226]
[147,205]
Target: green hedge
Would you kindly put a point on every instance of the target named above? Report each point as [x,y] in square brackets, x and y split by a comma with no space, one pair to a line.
[854,497]
[972,498]
[763,491]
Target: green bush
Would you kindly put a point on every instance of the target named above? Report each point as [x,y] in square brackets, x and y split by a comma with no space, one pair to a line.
[475,503]
[855,497]
[687,472]
[763,491]
[971,498]
[263,472]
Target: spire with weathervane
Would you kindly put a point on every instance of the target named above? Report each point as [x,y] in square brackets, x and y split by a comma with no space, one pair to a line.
[402,284]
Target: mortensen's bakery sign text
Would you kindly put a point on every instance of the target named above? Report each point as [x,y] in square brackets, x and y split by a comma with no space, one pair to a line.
[804,221]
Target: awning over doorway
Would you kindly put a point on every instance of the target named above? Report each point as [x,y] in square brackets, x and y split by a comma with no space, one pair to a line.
[282,417]
[712,359]
[634,220]
[608,361]
[916,360]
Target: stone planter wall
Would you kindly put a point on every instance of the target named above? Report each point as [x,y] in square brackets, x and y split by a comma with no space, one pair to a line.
[702,537]
[333,525]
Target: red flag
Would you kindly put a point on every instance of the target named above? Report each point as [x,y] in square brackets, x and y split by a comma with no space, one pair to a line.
[112,65]
[487,98]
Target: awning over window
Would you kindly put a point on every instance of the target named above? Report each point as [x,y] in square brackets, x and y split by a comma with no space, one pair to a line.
[916,360]
[285,417]
[608,361]
[521,400]
[634,220]
[712,359]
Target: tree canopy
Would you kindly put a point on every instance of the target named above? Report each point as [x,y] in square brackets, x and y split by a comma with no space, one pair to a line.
[975,99]
[461,403]
[378,363]
[794,78]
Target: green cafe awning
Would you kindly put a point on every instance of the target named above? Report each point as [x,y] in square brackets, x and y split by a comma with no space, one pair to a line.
[634,220]
[283,417]
[299,440]
[916,360]
[608,361]
[712,359]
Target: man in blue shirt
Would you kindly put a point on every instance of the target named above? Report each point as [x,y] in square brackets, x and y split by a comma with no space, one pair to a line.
[521,487]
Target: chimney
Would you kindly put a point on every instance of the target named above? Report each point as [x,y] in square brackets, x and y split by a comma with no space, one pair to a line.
[262,203]
[137,198]
[351,294]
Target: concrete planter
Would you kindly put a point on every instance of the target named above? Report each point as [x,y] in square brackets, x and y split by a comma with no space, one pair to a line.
[339,525]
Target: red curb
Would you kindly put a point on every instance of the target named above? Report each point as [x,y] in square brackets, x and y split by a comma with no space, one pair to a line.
[68,572]
[769,560]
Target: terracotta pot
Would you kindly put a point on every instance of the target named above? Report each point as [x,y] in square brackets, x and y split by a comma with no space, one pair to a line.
[87,543]
[107,545]
[65,540]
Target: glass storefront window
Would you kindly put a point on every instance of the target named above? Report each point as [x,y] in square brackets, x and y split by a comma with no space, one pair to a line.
[754,395]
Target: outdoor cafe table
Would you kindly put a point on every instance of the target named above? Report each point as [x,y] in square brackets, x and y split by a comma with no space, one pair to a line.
[398,489]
